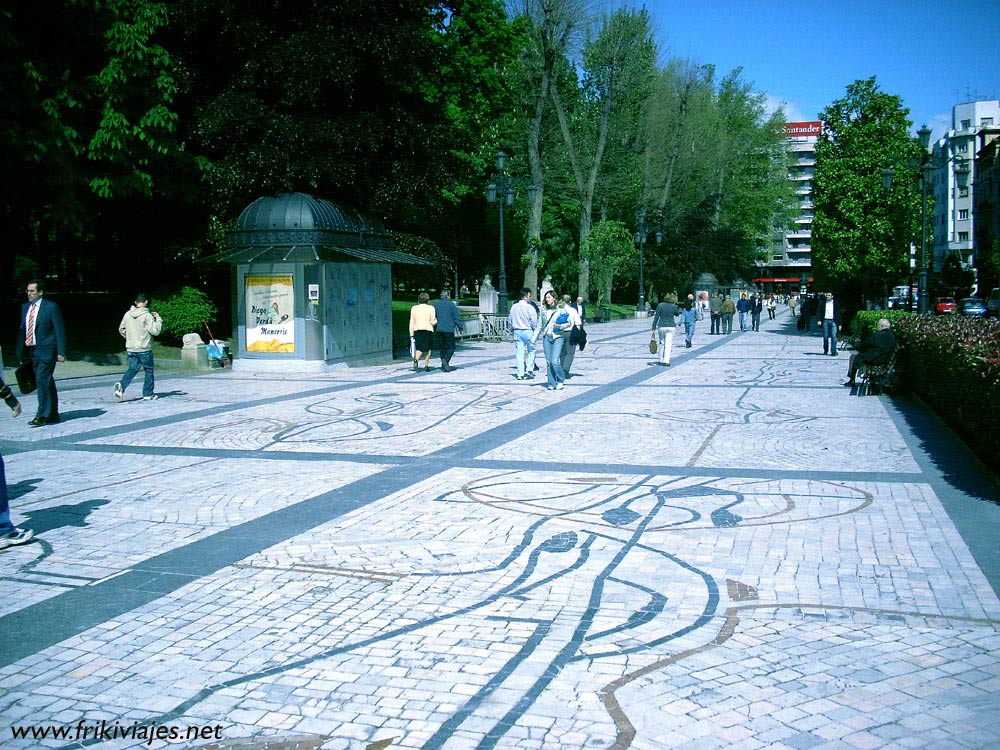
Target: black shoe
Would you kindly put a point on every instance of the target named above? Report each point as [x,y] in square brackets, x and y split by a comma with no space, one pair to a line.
[53,420]
[37,422]
[415,366]
[850,384]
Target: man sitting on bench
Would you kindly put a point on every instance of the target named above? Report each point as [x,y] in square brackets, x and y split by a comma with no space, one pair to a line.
[876,350]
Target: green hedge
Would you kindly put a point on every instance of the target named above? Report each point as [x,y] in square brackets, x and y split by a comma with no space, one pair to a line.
[183,311]
[865,321]
[953,364]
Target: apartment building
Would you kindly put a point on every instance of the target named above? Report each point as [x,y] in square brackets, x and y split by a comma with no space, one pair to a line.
[986,199]
[789,268]
[953,176]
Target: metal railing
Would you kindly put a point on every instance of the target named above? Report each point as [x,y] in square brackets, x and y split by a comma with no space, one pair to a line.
[494,327]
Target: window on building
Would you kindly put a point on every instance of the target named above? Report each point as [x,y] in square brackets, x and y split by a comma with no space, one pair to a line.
[966,124]
[986,121]
[963,236]
[962,148]
[963,213]
[963,192]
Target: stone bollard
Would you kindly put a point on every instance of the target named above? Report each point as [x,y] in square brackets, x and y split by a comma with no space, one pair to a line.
[193,353]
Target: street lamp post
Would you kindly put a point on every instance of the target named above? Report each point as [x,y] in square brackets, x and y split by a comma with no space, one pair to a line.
[502,191]
[641,232]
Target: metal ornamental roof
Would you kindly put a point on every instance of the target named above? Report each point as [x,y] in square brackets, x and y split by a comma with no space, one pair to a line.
[299,227]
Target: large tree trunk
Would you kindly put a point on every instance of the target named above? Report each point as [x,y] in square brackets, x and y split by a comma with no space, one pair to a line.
[537,179]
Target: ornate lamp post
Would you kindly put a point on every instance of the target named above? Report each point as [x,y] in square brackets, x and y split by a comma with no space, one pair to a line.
[502,191]
[641,233]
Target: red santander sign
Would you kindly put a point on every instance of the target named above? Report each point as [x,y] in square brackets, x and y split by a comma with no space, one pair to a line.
[802,129]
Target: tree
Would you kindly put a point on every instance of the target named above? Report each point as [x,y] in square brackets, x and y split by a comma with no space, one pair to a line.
[551,28]
[861,232]
[87,121]
[618,68]
[609,250]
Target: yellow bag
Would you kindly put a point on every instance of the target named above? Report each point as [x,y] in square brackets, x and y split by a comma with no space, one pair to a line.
[652,344]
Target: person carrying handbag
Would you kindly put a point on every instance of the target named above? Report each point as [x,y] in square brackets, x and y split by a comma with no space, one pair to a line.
[664,323]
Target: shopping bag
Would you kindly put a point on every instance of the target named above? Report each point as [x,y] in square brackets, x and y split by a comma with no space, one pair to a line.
[653,345]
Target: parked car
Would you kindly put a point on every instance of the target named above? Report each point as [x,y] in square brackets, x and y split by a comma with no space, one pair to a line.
[993,303]
[972,307]
[944,305]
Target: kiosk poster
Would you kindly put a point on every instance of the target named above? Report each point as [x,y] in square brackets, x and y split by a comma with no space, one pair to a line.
[270,320]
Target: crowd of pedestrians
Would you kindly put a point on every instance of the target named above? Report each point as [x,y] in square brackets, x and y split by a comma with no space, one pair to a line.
[559,324]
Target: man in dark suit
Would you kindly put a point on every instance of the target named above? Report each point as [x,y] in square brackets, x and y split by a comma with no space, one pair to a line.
[581,309]
[41,340]
[875,350]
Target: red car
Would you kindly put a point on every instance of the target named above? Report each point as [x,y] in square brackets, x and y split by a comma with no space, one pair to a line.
[944,305]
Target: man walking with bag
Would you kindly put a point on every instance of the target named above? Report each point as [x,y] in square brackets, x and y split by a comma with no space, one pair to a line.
[138,328]
[41,340]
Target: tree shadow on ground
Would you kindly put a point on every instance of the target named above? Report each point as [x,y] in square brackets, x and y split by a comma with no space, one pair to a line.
[60,516]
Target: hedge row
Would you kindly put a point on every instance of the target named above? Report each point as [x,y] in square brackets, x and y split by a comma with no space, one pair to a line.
[953,364]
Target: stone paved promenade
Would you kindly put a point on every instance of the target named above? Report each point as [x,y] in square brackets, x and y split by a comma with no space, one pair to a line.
[733,552]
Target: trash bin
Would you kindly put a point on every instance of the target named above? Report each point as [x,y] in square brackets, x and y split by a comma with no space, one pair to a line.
[606,314]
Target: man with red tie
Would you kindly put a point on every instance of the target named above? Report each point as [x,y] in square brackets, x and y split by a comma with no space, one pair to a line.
[42,341]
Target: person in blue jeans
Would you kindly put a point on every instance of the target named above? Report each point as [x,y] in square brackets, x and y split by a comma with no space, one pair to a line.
[523,319]
[828,313]
[554,326]
[743,308]
[138,328]
[10,535]
[690,317]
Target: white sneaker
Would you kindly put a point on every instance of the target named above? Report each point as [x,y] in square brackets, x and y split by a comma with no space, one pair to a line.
[559,386]
[15,537]
[119,391]
[150,398]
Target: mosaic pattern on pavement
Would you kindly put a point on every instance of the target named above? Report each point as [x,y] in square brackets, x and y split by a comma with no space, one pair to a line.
[732,553]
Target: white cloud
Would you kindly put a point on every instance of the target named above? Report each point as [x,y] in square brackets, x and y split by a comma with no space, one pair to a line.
[792,113]
[939,124]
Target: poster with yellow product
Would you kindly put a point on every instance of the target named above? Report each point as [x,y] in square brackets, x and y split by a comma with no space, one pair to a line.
[270,314]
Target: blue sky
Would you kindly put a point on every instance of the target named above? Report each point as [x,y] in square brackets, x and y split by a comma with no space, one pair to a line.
[932,53]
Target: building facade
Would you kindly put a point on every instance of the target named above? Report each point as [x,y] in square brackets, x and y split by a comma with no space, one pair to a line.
[789,269]
[953,230]
[986,203]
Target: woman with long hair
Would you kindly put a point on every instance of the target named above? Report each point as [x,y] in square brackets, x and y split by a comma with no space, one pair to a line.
[554,326]
[422,322]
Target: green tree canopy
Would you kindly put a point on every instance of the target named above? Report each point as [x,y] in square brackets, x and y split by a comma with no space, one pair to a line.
[861,231]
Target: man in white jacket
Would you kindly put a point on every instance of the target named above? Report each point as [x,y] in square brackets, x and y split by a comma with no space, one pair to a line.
[138,328]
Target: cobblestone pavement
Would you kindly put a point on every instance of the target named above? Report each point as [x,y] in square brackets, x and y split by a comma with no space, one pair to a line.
[732,552]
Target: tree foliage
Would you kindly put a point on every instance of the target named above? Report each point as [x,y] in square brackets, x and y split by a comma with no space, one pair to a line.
[609,250]
[134,131]
[861,232]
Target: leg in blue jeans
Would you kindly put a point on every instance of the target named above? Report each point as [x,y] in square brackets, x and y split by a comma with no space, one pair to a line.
[140,361]
[553,351]
[134,365]
[146,358]
[829,336]
[522,345]
[5,524]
